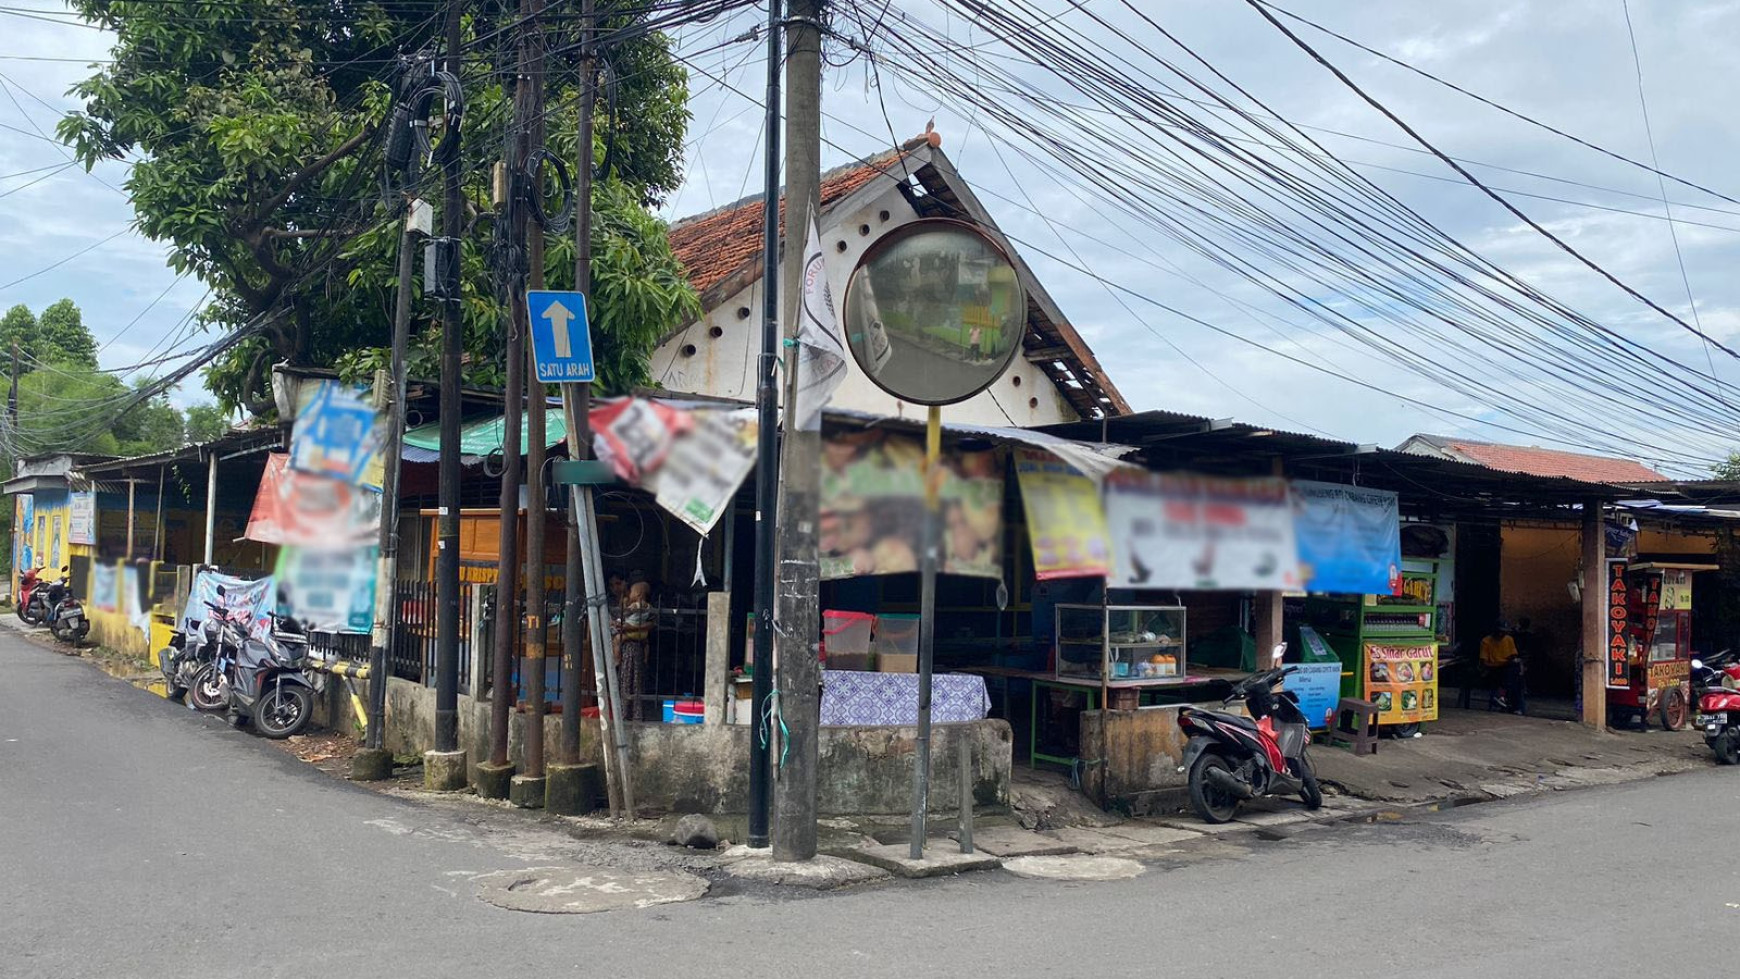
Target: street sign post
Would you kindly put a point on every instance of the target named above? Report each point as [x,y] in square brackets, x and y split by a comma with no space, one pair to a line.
[561,336]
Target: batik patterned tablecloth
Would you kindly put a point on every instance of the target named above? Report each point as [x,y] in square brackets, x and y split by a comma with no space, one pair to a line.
[854,697]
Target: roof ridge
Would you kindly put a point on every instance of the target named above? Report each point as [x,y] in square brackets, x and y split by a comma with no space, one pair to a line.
[839,171]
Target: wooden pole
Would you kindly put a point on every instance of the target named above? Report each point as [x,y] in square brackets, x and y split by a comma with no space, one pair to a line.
[1594,617]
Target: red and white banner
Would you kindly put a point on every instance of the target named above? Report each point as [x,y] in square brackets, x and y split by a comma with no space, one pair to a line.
[295,507]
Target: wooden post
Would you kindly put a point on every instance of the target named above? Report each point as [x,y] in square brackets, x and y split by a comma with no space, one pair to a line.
[1266,625]
[1594,617]
[718,655]
[210,501]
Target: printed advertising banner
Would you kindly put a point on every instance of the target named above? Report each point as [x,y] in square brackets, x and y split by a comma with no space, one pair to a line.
[338,434]
[705,467]
[1349,538]
[83,526]
[293,507]
[1065,519]
[329,590]
[873,507]
[105,587]
[1403,682]
[1181,530]
[255,598]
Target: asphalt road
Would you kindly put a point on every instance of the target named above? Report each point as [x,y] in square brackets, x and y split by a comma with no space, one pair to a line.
[138,839]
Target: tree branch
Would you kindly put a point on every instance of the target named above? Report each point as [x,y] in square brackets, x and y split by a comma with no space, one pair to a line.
[307,173]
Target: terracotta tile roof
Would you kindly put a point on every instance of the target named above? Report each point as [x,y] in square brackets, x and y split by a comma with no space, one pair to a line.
[714,245]
[1553,462]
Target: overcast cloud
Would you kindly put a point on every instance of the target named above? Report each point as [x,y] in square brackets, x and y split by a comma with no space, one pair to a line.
[1567,62]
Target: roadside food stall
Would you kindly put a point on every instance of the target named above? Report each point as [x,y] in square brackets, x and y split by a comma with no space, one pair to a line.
[1649,642]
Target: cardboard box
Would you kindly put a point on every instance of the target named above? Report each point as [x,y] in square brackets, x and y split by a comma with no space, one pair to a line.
[897,663]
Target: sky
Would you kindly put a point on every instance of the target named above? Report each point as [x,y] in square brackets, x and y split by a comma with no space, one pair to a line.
[1566,62]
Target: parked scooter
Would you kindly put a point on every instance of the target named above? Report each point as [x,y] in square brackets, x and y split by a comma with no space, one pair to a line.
[1716,684]
[1231,758]
[185,667]
[65,614]
[32,597]
[263,680]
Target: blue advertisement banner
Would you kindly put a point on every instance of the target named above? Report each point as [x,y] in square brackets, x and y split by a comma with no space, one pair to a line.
[1349,538]
[1318,687]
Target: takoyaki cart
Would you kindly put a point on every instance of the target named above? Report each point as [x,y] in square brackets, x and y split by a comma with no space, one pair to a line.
[1649,643]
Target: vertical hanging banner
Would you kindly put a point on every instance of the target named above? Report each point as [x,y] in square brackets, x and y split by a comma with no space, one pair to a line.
[293,507]
[821,349]
[1066,522]
[705,467]
[1349,538]
[873,507]
[105,587]
[338,434]
[23,532]
[1618,628]
[329,590]
[1180,530]
[83,526]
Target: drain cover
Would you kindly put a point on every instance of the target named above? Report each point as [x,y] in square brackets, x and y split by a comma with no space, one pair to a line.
[585,890]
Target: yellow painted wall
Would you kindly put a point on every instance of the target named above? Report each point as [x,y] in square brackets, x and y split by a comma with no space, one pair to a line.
[48,533]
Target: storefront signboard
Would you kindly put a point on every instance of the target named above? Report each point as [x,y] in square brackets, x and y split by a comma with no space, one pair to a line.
[1180,530]
[329,590]
[294,507]
[83,526]
[338,434]
[1403,682]
[1066,521]
[1349,538]
[873,506]
[1618,616]
[1318,687]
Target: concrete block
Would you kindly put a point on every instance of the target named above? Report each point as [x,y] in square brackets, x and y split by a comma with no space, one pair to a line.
[1279,817]
[492,780]
[938,861]
[823,873]
[526,791]
[1094,840]
[571,790]
[371,765]
[1153,834]
[1078,867]
[1012,841]
[444,771]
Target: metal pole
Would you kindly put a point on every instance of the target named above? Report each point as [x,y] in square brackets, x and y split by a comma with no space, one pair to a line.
[157,522]
[535,624]
[929,547]
[964,753]
[799,616]
[132,493]
[447,498]
[210,502]
[766,458]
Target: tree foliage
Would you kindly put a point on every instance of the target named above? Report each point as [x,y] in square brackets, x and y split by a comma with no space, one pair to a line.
[260,127]
[58,336]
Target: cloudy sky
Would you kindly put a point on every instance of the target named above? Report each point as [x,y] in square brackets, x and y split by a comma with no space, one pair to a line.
[1164,320]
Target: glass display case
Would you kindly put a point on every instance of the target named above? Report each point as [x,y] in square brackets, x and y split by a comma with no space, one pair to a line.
[1127,643]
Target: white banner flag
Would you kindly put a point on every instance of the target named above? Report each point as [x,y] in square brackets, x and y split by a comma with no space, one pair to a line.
[821,352]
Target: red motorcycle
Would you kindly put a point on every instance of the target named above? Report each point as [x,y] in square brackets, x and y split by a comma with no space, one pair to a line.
[1716,682]
[1232,758]
[33,605]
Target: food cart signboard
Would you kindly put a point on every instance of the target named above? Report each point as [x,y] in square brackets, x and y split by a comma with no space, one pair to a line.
[1618,616]
[1402,681]
[1065,519]
[872,508]
[1676,590]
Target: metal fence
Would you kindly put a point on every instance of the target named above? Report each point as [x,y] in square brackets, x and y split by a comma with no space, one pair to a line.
[413,654]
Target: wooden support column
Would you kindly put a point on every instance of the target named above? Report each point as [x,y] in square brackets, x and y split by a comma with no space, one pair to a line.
[718,664]
[1266,624]
[1594,617]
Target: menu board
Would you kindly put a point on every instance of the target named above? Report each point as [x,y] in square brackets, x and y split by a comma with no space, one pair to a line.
[1403,682]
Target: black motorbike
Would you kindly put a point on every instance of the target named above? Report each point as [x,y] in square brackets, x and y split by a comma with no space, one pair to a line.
[1232,758]
[65,617]
[263,679]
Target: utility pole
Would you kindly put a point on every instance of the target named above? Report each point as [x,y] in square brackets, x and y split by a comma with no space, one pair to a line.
[494,777]
[766,452]
[528,787]
[563,789]
[800,668]
[12,415]
[444,767]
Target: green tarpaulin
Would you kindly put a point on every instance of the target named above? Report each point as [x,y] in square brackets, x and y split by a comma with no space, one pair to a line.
[478,437]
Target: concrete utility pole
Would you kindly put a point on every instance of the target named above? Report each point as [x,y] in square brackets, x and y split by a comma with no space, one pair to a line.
[766,453]
[799,615]
[494,777]
[1594,617]
[565,787]
[444,767]
[528,787]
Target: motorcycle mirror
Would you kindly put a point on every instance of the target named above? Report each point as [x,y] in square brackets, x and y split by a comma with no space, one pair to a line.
[1697,664]
[220,590]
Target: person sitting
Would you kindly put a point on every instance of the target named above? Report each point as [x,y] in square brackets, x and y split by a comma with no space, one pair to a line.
[1505,667]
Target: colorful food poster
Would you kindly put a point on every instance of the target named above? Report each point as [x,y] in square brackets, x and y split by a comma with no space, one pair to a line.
[1182,530]
[1618,628]
[873,507]
[1403,682]
[1065,519]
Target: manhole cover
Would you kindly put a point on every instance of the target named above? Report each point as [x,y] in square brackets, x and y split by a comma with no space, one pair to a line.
[585,890]
[1077,867]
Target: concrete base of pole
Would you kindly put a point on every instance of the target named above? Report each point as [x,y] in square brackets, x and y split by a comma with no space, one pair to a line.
[572,790]
[527,791]
[492,780]
[371,765]
[444,771]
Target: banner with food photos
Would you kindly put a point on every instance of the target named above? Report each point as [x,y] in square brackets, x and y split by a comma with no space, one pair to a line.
[1066,521]
[872,507]
[1402,681]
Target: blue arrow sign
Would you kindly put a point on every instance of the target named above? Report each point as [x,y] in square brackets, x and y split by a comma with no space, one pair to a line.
[561,336]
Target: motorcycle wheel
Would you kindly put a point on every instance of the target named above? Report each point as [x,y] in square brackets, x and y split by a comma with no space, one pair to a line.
[283,710]
[1675,711]
[206,694]
[1725,748]
[1313,793]
[1212,803]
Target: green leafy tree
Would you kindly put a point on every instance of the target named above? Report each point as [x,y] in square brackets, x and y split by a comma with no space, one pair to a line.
[71,410]
[205,422]
[58,336]
[259,127]
[1728,468]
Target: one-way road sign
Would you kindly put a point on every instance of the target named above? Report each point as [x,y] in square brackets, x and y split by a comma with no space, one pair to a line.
[561,336]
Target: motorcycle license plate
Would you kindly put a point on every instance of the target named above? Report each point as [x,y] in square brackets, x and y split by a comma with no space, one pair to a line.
[1711,723]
